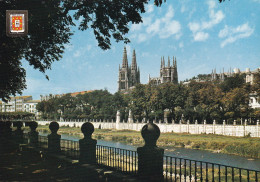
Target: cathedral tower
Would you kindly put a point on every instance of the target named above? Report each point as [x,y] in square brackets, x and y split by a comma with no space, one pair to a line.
[168,73]
[128,76]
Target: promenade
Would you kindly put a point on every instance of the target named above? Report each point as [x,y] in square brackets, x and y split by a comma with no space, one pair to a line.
[20,166]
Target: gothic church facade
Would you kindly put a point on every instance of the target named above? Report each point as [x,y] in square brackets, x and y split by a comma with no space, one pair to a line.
[129,76]
[168,73]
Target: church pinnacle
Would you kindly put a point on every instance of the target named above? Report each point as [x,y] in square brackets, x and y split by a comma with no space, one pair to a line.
[133,65]
[125,61]
[128,77]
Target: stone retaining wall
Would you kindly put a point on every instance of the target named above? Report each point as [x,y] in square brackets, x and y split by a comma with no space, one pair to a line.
[220,129]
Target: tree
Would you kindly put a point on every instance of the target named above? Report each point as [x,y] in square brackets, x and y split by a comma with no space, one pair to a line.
[236,103]
[50,29]
[256,84]
[50,24]
[236,81]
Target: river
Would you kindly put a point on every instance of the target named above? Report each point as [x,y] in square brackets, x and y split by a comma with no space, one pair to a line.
[201,155]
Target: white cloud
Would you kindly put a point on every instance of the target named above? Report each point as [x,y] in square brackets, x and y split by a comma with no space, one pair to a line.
[141,38]
[150,8]
[136,27]
[81,51]
[183,9]
[69,47]
[181,45]
[231,34]
[154,27]
[211,4]
[128,50]
[257,1]
[198,29]
[201,36]
[172,28]
[194,27]
[163,27]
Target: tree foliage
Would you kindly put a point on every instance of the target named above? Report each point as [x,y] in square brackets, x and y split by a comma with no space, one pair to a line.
[196,101]
[50,23]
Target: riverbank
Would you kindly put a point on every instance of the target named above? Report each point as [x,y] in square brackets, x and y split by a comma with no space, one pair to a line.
[242,146]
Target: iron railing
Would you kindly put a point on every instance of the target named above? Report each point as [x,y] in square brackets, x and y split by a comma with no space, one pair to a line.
[174,168]
[181,169]
[120,159]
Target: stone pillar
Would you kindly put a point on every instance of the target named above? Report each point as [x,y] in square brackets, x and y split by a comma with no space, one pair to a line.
[188,126]
[173,121]
[234,130]
[204,126]
[257,129]
[224,126]
[130,117]
[196,127]
[6,140]
[33,134]
[87,145]
[245,133]
[165,118]
[214,127]
[180,125]
[150,157]
[18,133]
[54,138]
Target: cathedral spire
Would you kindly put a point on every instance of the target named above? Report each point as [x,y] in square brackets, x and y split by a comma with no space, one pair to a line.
[125,62]
[163,62]
[169,62]
[173,63]
[133,65]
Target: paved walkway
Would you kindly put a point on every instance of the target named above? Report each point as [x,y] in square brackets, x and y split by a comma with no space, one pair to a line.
[28,166]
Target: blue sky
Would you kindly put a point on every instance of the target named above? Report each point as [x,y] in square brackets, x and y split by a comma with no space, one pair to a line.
[202,35]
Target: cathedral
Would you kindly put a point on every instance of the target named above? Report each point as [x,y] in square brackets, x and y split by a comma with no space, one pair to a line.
[129,76]
[167,73]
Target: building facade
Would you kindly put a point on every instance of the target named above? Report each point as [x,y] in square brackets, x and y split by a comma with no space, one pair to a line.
[15,104]
[128,76]
[30,106]
[168,73]
[249,75]
[20,104]
[254,101]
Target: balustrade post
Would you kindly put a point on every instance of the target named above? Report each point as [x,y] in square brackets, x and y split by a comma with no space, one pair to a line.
[214,127]
[18,133]
[196,127]
[257,129]
[150,157]
[130,117]
[87,145]
[224,127]
[245,133]
[54,138]
[33,134]
[188,126]
[117,120]
[204,126]
[234,128]
[180,125]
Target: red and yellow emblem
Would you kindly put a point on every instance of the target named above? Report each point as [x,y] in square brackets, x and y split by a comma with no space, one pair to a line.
[17,23]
